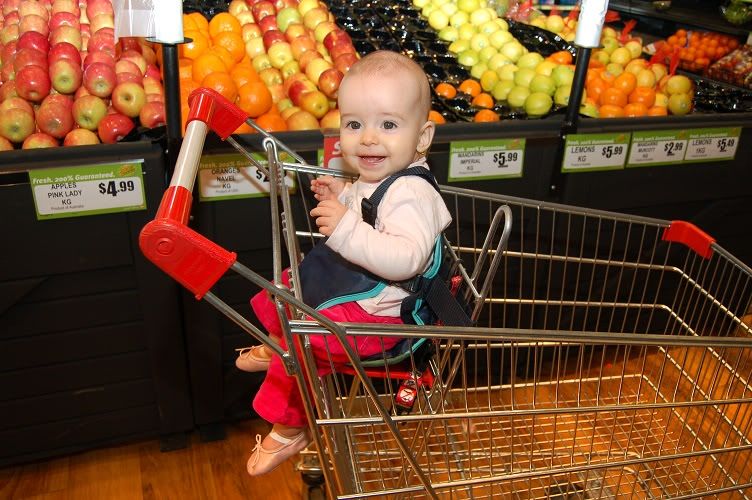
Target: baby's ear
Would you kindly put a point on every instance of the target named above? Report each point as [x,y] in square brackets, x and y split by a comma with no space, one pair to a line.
[426,136]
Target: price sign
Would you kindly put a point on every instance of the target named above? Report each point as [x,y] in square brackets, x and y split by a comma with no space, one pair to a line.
[487,159]
[663,147]
[591,152]
[78,191]
[331,156]
[714,144]
[230,176]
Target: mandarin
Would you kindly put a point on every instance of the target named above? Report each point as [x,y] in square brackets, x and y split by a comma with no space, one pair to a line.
[610,111]
[446,90]
[643,95]
[470,87]
[223,21]
[254,98]
[483,100]
[486,115]
[613,96]
[198,45]
[233,43]
[242,74]
[436,117]
[221,83]
[205,64]
[272,121]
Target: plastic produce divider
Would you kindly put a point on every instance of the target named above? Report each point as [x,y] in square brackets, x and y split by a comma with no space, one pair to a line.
[185,255]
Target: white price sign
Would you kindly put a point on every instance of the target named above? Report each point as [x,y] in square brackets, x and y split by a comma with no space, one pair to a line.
[229,176]
[78,191]
[716,144]
[591,152]
[662,147]
[487,159]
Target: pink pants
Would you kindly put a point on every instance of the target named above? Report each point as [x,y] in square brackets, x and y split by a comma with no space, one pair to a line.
[279,401]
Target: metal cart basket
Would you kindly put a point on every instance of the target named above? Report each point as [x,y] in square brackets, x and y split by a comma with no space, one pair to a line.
[611,355]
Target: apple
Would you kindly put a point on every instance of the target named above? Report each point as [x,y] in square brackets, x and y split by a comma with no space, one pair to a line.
[99,57]
[16,102]
[28,56]
[329,82]
[271,76]
[315,102]
[308,56]
[315,67]
[288,15]
[88,110]
[66,6]
[127,77]
[66,75]
[33,22]
[101,21]
[7,73]
[254,47]
[345,61]
[66,34]
[296,90]
[249,31]
[5,144]
[135,57]
[288,111]
[128,66]
[55,119]
[306,5]
[284,4]
[153,71]
[39,140]
[8,90]
[33,83]
[64,19]
[152,114]
[336,36]
[100,79]
[33,40]
[280,53]
[128,98]
[289,68]
[129,43]
[97,7]
[113,127]
[80,92]
[302,44]
[8,51]
[63,50]
[268,23]
[80,137]
[152,85]
[12,18]
[323,29]
[260,62]
[10,6]
[296,29]
[273,37]
[331,119]
[60,99]
[16,124]
[9,33]
[237,6]
[149,55]
[277,90]
[342,48]
[302,120]
[284,104]
[262,9]
[28,8]
[315,16]
[155,98]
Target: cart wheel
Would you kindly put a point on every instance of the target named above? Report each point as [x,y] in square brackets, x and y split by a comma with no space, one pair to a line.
[313,487]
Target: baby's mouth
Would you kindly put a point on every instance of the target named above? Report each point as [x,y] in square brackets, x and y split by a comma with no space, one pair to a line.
[372,160]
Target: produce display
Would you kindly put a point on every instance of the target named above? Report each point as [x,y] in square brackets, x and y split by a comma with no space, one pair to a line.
[695,50]
[66,81]
[735,68]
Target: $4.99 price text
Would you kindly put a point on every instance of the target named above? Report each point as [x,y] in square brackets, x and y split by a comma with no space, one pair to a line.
[114,187]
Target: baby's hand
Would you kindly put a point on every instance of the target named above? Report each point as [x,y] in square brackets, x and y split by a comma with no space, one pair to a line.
[328,213]
[327,187]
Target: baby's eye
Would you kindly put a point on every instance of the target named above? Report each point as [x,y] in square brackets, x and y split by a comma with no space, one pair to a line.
[353,125]
[389,125]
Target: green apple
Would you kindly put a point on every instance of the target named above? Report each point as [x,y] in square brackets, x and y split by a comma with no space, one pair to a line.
[478,69]
[543,83]
[601,56]
[513,50]
[608,32]
[589,109]
[563,76]
[517,96]
[501,89]
[507,71]
[479,41]
[468,58]
[486,53]
[466,31]
[561,96]
[610,45]
[523,77]
[449,34]
[288,15]
[458,46]
[497,61]
[459,18]
[499,38]
[615,69]
[538,104]
[621,56]
[468,5]
[488,80]
[530,60]
[438,20]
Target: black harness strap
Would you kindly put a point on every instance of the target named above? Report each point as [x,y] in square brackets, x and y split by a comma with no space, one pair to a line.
[370,206]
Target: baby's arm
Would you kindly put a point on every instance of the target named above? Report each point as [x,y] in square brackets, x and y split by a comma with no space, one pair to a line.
[327,187]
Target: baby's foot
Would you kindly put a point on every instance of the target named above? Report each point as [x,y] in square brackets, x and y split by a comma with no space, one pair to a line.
[253,359]
[274,450]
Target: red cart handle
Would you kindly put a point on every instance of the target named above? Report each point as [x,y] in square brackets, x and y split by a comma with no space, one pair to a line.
[690,235]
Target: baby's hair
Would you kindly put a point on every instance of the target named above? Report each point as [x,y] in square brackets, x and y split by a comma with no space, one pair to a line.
[386,62]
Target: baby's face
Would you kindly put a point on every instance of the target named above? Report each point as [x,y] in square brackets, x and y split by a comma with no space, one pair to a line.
[381,123]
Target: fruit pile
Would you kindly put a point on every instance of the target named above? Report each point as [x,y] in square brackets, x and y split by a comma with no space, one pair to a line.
[281,62]
[65,80]
[696,49]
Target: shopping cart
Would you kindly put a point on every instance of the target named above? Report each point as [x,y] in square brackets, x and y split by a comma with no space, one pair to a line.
[611,355]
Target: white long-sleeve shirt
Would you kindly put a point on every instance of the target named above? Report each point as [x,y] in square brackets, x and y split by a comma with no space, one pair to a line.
[411,216]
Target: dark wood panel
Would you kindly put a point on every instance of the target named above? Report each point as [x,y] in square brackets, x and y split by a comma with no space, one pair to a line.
[76,284]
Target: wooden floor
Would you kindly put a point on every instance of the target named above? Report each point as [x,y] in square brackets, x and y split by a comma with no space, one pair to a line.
[213,470]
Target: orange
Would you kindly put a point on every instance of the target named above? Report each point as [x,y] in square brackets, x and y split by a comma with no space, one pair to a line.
[486,115]
[206,64]
[244,128]
[436,117]
[610,111]
[635,109]
[198,45]
[242,74]
[561,57]
[470,87]
[595,87]
[187,86]
[626,82]
[189,23]
[446,90]
[225,55]
[613,96]
[271,121]
[200,21]
[254,98]
[185,68]
[483,100]
[643,95]
[222,83]
[223,21]
[233,42]
[657,111]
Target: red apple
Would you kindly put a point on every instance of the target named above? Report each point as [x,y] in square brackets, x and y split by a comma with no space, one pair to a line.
[97,7]
[33,22]
[39,140]
[298,87]
[99,57]
[336,36]
[102,41]
[294,30]
[272,37]
[155,97]
[8,52]
[64,19]
[342,48]
[10,6]
[302,120]
[308,56]
[8,90]
[66,76]
[345,61]
[153,71]
[33,40]
[250,30]
[67,7]
[128,66]
[329,82]
[331,119]
[101,21]
[100,79]
[315,102]
[152,114]
[80,137]
[128,98]
[55,119]
[28,8]
[127,77]
[64,50]
[16,102]
[88,111]
[135,57]
[16,124]
[323,29]
[12,18]
[28,56]
[315,67]
[66,34]
[5,144]
[33,83]
[152,85]
[129,43]
[302,44]
[149,54]
[262,9]
[60,99]
[114,127]
[268,23]
[80,92]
